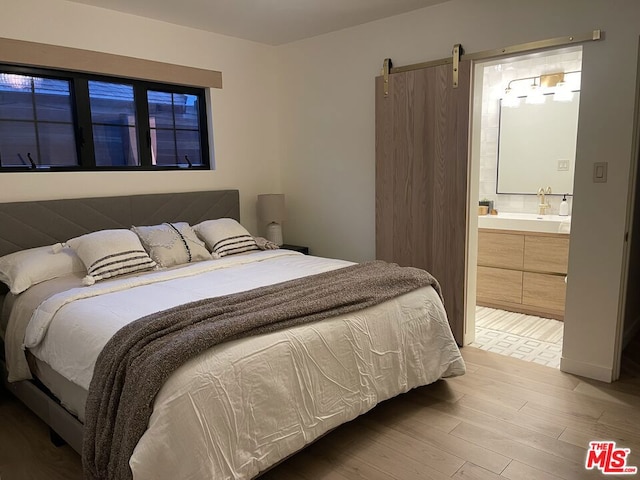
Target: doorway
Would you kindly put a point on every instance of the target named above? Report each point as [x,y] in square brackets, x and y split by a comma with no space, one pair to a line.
[524,127]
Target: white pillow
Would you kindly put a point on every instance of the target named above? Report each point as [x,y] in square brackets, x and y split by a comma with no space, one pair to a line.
[225,236]
[109,253]
[23,269]
[172,243]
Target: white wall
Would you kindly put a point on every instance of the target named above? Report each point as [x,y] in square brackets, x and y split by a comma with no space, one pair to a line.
[327,138]
[245,135]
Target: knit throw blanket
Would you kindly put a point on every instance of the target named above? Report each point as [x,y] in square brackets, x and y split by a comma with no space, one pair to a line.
[140,357]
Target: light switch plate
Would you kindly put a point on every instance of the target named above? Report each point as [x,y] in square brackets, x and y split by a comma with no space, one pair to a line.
[563,165]
[600,172]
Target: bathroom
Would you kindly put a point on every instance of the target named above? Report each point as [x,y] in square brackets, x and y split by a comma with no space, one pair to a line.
[523,155]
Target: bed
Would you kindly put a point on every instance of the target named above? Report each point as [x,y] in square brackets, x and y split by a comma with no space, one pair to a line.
[239,407]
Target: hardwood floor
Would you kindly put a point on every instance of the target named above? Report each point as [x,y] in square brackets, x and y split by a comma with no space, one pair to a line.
[504,419]
[26,452]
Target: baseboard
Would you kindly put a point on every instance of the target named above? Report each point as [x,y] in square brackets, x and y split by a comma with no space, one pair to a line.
[588,370]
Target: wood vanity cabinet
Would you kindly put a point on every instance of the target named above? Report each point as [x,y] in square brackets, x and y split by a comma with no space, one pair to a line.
[523,271]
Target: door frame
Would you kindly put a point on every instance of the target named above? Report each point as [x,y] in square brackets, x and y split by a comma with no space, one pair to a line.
[475,162]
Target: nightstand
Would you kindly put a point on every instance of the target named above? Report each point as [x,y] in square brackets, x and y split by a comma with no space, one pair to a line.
[296,248]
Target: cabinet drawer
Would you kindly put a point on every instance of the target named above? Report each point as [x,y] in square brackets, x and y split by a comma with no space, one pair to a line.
[503,250]
[543,290]
[496,284]
[546,254]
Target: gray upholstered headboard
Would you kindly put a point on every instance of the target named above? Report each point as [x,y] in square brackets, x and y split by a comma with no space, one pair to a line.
[34,224]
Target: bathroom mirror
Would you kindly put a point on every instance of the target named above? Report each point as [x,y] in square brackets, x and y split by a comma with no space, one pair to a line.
[537,146]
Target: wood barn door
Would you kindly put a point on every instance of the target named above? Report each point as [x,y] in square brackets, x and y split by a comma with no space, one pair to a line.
[422,130]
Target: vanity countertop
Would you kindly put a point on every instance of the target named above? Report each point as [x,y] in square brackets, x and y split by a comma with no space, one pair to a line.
[527,222]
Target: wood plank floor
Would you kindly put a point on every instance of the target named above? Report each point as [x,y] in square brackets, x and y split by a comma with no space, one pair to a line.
[504,419]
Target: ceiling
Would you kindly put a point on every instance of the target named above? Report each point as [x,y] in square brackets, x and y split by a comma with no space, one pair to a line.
[273,22]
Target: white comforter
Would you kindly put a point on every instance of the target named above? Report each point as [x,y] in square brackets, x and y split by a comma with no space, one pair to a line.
[244,405]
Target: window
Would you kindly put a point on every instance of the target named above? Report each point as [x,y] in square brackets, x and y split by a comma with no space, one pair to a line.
[175,128]
[51,120]
[36,122]
[113,124]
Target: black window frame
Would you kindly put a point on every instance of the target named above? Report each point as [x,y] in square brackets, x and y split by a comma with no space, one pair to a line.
[81,114]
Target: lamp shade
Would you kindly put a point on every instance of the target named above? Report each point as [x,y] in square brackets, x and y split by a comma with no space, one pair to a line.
[271,207]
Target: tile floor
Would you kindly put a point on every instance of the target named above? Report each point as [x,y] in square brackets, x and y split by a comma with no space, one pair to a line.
[530,338]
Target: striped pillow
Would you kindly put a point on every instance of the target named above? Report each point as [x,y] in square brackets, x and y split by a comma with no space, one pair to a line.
[109,253]
[225,236]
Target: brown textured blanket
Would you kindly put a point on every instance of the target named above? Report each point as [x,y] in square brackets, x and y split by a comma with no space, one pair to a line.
[140,357]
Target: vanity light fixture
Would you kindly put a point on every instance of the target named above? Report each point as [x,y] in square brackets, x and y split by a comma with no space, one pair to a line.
[536,95]
[558,84]
[510,98]
[563,92]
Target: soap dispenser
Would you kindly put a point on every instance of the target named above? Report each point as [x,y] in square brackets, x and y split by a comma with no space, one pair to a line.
[564,206]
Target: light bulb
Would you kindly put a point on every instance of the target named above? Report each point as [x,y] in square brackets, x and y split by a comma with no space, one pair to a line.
[563,93]
[535,96]
[510,99]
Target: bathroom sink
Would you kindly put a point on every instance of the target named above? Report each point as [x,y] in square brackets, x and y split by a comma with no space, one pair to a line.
[528,222]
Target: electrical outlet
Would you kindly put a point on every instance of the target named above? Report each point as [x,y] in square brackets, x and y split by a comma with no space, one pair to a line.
[563,165]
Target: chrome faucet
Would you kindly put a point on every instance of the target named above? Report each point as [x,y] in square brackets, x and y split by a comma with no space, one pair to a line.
[543,205]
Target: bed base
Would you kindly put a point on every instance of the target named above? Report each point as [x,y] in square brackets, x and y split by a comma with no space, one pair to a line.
[64,427]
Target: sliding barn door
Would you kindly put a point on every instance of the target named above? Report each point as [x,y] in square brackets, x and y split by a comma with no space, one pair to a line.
[422,130]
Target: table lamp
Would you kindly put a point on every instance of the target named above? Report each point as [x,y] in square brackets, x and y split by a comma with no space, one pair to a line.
[272,212]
